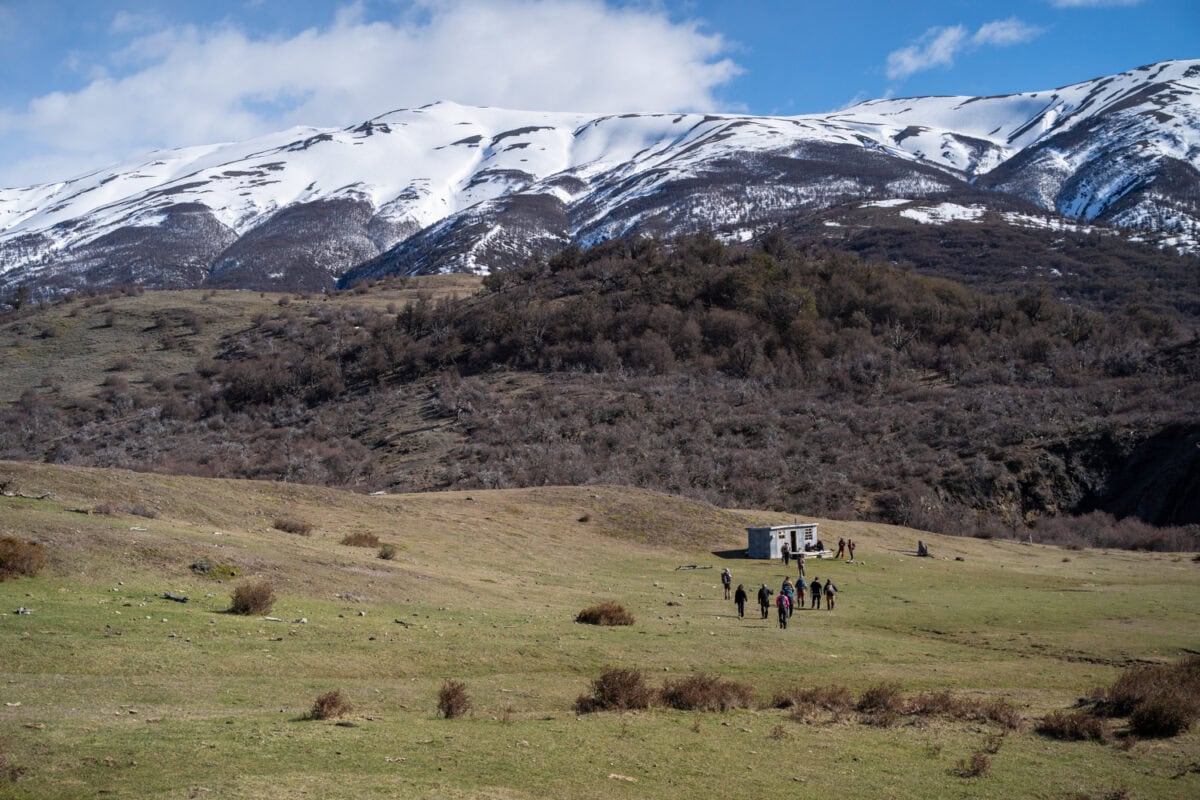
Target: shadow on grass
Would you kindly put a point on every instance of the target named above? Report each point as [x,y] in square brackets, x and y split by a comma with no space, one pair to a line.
[740,554]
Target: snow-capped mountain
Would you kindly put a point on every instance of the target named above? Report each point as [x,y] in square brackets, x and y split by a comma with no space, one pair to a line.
[446,187]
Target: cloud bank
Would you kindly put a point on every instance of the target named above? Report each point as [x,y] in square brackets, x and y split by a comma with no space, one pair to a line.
[938,47]
[178,85]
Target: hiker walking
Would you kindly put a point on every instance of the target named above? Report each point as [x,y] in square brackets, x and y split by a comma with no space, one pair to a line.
[800,562]
[850,547]
[740,598]
[841,548]
[801,587]
[788,589]
[816,588]
[787,553]
[726,581]
[785,609]
[830,591]
[764,600]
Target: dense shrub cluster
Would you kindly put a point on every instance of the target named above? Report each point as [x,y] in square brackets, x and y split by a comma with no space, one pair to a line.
[605,614]
[453,700]
[360,539]
[704,693]
[330,705]
[292,525]
[1161,700]
[19,557]
[617,689]
[256,597]
[885,703]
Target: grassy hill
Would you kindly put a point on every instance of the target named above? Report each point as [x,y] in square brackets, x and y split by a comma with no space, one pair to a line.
[110,689]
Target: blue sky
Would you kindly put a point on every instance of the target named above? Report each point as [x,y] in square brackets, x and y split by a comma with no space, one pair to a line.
[89,82]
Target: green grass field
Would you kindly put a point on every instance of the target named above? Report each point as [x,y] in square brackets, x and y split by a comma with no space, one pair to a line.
[107,689]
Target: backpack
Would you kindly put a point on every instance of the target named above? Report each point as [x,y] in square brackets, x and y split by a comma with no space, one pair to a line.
[782,601]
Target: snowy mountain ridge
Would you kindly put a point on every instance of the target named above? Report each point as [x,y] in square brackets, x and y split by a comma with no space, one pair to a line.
[448,187]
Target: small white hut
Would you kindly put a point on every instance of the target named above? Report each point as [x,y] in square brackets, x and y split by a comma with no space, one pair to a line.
[768,542]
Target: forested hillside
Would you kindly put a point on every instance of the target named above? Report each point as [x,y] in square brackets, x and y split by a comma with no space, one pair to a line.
[764,376]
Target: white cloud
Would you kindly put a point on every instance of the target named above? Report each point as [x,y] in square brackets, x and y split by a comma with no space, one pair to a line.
[1005,32]
[938,47]
[187,85]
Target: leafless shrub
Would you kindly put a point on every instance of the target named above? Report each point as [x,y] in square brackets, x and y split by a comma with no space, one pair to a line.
[605,614]
[882,697]
[253,598]
[1072,726]
[805,702]
[387,552]
[360,539]
[705,693]
[18,557]
[330,705]
[293,525]
[453,700]
[1160,700]
[617,689]
[977,766]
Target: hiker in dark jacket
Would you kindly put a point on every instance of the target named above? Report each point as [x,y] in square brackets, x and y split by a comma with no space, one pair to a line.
[816,589]
[830,591]
[841,548]
[785,609]
[740,598]
[764,600]
[726,580]
[787,552]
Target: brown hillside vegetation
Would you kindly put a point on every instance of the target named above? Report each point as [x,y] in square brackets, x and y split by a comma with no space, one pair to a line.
[742,376]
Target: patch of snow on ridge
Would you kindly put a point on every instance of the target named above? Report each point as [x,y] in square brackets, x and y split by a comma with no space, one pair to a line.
[943,213]
[897,201]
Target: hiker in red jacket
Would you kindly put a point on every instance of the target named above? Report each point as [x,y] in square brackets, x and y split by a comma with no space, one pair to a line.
[785,607]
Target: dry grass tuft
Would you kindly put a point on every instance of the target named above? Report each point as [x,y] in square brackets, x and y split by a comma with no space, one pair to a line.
[330,705]
[388,552]
[253,598]
[20,558]
[1072,726]
[977,766]
[705,693]
[360,539]
[453,700]
[605,614]
[293,525]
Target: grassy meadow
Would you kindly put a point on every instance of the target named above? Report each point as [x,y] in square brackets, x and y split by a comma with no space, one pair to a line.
[108,689]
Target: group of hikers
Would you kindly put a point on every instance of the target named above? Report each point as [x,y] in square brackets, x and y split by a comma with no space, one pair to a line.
[844,545]
[791,595]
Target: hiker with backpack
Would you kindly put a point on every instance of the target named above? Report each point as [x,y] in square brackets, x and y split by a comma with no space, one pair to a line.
[850,547]
[801,588]
[726,581]
[816,588]
[787,552]
[740,598]
[830,591]
[800,562]
[764,600]
[841,548]
[788,589]
[785,609]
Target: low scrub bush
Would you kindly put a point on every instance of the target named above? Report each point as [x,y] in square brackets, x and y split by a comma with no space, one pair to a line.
[330,705]
[936,704]
[617,689]
[453,700]
[361,539]
[805,702]
[605,614]
[215,571]
[1072,726]
[1001,712]
[1160,700]
[111,509]
[253,598]
[292,525]
[705,693]
[387,552]
[18,557]
[977,766]
[885,697]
